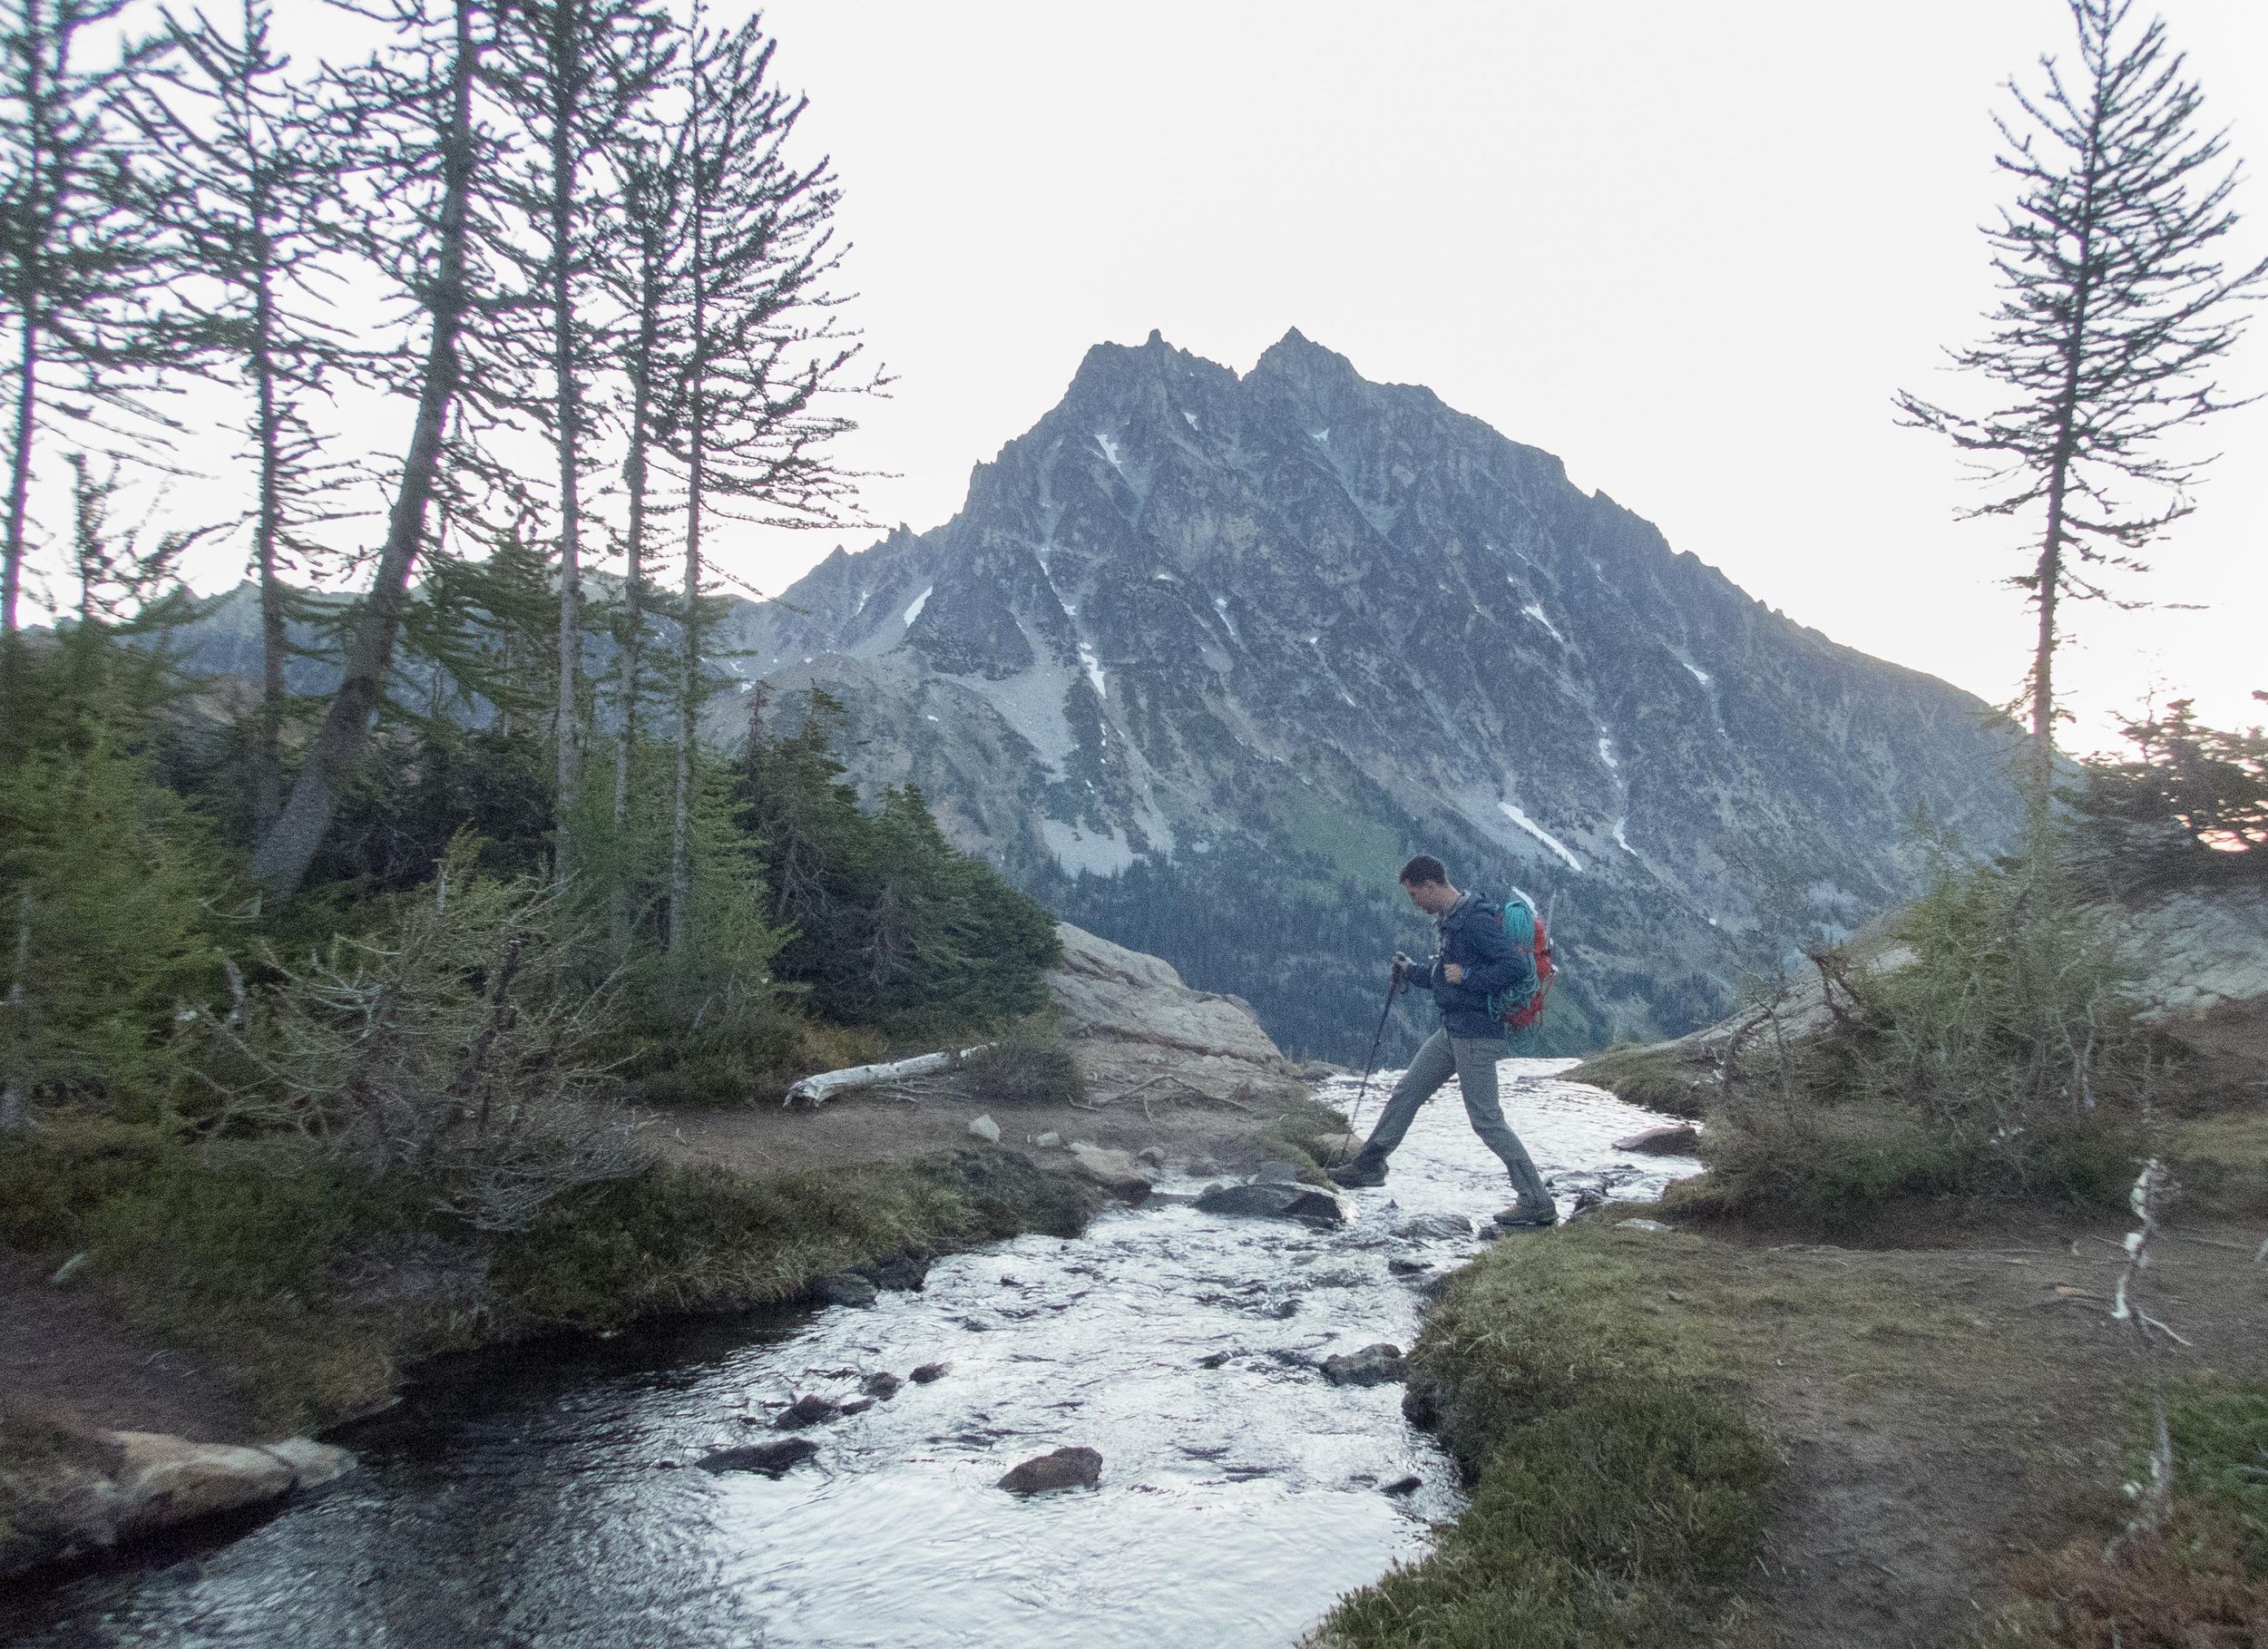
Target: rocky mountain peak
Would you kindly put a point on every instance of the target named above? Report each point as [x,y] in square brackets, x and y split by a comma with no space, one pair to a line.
[1204,657]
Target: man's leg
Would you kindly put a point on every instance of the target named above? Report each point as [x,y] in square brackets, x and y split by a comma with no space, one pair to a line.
[1476,1077]
[1433,1066]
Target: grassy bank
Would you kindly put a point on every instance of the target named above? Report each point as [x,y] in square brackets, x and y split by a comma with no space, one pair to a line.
[308,1292]
[1618,1488]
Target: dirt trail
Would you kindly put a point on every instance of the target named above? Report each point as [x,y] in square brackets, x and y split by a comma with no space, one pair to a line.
[1948,1409]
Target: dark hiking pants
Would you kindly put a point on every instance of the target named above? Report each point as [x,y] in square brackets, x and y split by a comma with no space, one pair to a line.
[1472,1061]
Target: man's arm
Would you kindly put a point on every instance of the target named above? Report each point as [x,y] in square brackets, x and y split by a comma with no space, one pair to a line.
[1502,960]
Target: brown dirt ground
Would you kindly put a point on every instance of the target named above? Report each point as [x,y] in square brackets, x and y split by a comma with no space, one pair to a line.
[67,1364]
[1947,1409]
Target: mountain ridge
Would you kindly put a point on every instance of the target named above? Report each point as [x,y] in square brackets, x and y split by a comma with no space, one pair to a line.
[1180,582]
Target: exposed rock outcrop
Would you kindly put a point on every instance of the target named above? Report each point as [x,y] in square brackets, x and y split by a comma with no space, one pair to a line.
[1064,1468]
[121,1485]
[1138,1032]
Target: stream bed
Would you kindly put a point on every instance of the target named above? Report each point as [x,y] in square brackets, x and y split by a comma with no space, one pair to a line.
[549,1494]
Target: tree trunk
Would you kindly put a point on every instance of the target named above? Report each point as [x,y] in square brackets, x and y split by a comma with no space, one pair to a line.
[274,636]
[568,411]
[289,846]
[689,676]
[633,621]
[20,464]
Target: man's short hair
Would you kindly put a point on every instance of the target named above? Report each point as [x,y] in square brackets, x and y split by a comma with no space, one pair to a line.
[1422,869]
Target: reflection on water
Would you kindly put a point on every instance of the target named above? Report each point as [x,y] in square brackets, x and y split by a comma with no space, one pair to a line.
[545,1496]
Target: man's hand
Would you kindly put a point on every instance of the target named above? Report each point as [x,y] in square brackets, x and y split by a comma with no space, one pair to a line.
[1454,973]
[1403,966]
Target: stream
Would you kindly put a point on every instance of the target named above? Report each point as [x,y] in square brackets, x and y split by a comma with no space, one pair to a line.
[549,1494]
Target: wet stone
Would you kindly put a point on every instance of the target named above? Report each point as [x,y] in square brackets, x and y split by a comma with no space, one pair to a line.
[810,1409]
[1403,1267]
[843,1288]
[1213,1359]
[1434,1227]
[1671,1139]
[930,1371]
[1404,1486]
[1373,1365]
[882,1384]
[1293,1202]
[1064,1468]
[770,1459]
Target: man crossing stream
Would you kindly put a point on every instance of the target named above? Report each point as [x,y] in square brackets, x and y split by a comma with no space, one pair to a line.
[1477,964]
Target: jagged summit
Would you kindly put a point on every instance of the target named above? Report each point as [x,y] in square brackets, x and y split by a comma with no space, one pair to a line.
[1204,657]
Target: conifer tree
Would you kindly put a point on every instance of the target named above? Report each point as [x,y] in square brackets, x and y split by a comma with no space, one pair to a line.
[576,72]
[748,430]
[409,115]
[78,271]
[252,224]
[2114,310]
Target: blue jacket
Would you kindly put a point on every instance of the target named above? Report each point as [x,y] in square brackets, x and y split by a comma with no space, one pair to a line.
[1473,935]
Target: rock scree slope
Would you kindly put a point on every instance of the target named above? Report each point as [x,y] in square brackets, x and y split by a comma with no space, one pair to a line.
[1204,657]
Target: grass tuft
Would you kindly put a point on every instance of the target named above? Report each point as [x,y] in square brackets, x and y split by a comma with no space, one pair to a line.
[1618,1491]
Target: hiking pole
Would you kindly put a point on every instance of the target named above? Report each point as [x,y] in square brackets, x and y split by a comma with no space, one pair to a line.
[1393,988]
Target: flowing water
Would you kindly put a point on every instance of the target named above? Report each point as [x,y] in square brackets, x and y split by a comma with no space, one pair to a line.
[548,1494]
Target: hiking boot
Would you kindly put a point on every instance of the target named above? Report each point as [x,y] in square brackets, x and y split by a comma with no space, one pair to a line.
[1524,1216]
[1356,1175]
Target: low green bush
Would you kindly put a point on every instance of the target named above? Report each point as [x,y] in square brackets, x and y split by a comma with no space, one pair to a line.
[1619,1492]
[1029,1063]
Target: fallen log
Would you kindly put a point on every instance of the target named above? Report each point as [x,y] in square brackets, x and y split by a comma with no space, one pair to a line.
[818,1088]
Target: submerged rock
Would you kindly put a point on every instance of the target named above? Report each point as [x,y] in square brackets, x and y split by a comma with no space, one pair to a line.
[1404,1486]
[930,1371]
[1274,1201]
[770,1459]
[844,1288]
[810,1409]
[1064,1468]
[1434,1227]
[1114,1171]
[1373,1365]
[882,1383]
[1670,1139]
[1404,1267]
[905,1272]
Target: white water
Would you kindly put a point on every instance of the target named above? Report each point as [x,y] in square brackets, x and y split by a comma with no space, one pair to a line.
[545,1498]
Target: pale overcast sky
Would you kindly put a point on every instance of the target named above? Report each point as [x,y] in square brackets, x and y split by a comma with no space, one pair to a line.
[1692,249]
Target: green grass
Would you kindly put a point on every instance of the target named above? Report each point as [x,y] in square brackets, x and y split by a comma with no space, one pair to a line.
[692,1239]
[1619,1492]
[254,1271]
[1650,1076]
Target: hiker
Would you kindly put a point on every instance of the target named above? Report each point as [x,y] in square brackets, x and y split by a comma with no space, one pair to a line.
[1477,960]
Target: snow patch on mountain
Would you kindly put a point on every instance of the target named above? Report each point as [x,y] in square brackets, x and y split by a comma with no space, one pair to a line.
[1541,835]
[913,610]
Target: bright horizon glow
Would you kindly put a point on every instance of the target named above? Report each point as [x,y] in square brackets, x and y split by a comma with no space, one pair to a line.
[1692,251]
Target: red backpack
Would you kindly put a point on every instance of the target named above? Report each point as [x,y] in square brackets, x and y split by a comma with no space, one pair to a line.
[1521,1011]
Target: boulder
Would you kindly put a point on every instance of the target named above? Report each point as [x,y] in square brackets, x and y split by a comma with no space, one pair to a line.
[1404,1486]
[1114,1171]
[1134,1028]
[844,1288]
[985,1128]
[1403,1266]
[1670,1139]
[770,1459]
[1434,1227]
[1063,1468]
[1373,1365]
[882,1384]
[163,1480]
[930,1371]
[810,1409]
[1274,1201]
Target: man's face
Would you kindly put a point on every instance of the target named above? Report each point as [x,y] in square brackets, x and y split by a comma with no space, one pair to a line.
[1432,897]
